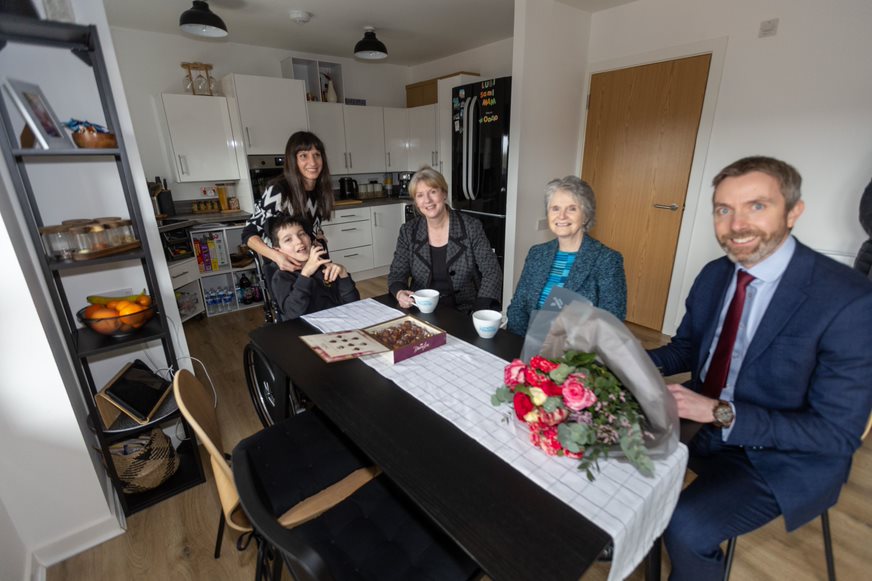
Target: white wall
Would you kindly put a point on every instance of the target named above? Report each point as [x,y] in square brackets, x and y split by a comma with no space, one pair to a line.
[13,553]
[150,65]
[802,96]
[545,119]
[489,61]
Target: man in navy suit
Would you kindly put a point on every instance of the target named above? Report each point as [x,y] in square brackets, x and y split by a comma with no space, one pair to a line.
[781,371]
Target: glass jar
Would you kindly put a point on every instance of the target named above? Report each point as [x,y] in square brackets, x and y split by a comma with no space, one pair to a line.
[81,239]
[57,242]
[119,232]
[99,237]
[107,219]
[77,222]
[126,231]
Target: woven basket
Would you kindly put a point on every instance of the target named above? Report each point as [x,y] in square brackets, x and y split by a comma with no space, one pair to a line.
[146,462]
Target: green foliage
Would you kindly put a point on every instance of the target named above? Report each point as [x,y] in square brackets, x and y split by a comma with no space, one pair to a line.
[502,395]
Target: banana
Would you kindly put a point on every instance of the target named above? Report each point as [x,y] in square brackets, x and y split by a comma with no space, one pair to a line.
[102,300]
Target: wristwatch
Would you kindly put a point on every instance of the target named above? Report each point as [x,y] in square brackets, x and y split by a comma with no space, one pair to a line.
[724,414]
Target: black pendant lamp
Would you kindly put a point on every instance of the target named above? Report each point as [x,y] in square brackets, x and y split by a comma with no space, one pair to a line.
[370,48]
[201,21]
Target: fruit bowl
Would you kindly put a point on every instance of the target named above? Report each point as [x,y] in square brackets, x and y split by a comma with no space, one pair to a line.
[115,323]
[94,140]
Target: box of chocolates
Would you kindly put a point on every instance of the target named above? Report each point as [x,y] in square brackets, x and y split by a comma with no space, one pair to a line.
[406,337]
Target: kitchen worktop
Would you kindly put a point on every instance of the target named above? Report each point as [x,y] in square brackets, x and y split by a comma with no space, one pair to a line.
[212,217]
[374,202]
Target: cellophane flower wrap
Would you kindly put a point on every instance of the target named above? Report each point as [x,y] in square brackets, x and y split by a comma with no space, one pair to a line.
[589,390]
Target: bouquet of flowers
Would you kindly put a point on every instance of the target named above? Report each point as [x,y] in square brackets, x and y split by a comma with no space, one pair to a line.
[574,406]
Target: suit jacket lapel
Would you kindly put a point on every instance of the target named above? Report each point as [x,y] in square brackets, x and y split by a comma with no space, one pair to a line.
[458,241]
[788,297]
[421,243]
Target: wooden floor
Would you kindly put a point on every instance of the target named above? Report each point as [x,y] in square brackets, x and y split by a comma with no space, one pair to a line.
[174,540]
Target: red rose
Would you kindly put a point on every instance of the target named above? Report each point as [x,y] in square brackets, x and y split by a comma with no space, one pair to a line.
[522,404]
[548,441]
[534,378]
[514,373]
[551,389]
[542,364]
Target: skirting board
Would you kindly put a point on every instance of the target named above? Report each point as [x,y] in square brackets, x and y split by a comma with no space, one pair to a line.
[63,548]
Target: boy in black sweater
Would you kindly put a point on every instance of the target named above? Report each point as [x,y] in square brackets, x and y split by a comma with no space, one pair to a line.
[321,284]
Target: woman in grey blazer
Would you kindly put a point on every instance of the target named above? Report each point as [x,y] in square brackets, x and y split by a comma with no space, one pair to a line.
[574,260]
[445,250]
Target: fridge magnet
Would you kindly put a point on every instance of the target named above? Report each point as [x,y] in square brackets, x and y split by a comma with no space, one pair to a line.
[37,113]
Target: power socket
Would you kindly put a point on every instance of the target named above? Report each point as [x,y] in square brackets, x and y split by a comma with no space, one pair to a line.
[768,28]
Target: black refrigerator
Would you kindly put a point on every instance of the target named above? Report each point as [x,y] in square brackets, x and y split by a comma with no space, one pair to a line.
[480,154]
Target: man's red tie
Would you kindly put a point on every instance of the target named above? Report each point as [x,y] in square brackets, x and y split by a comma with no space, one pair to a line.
[716,378]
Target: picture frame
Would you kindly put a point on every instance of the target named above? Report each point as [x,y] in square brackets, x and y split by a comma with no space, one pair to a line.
[38,114]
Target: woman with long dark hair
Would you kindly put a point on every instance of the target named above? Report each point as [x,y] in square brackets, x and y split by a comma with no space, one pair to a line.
[304,189]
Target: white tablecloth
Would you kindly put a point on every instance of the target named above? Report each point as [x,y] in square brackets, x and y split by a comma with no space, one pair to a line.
[633,509]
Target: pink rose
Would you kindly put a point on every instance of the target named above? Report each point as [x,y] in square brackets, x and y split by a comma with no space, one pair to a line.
[552,418]
[514,373]
[522,404]
[575,395]
[542,364]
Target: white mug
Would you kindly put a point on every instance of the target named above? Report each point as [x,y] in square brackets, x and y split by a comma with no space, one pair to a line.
[426,300]
[487,322]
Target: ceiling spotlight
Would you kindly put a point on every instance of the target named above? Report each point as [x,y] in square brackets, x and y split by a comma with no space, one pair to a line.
[369,47]
[300,16]
[201,21]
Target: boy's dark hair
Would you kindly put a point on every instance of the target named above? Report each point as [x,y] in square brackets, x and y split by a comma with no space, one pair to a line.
[285,220]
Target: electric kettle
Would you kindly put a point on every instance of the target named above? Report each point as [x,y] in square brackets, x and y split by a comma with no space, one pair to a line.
[347,188]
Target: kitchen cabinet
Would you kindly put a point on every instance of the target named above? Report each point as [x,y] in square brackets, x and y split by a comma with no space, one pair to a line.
[270,110]
[349,236]
[186,287]
[386,223]
[364,138]
[423,144]
[325,121]
[396,139]
[353,136]
[201,138]
[88,352]
[315,74]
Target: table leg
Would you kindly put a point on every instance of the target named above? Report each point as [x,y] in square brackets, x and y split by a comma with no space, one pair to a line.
[652,561]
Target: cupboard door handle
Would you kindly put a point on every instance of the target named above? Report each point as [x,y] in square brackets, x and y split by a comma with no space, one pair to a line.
[181,274]
[348,216]
[345,155]
[348,229]
[350,255]
[375,219]
[389,159]
[183,164]
[670,207]
[350,161]
[248,136]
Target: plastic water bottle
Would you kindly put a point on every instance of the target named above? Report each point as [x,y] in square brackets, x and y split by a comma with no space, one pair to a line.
[228,300]
[210,302]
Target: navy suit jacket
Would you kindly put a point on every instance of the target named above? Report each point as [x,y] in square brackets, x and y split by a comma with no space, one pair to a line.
[804,393]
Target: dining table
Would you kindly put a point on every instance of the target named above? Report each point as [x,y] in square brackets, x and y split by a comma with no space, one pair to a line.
[512,526]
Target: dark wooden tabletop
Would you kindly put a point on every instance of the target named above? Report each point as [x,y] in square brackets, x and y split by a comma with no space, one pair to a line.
[512,527]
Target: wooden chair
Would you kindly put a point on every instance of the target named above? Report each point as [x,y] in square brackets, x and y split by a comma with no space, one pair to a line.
[339,471]
[825,526]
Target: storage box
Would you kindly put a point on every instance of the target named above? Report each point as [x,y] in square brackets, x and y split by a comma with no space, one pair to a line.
[395,333]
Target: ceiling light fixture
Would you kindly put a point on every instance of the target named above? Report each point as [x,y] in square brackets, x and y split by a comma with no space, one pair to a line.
[369,47]
[300,16]
[201,21]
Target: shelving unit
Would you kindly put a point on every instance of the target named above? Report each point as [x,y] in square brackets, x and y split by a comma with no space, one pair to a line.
[222,275]
[84,345]
[313,72]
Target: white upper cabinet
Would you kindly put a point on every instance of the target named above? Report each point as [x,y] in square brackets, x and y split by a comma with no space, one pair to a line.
[396,139]
[365,139]
[270,110]
[326,121]
[201,138]
[353,136]
[423,145]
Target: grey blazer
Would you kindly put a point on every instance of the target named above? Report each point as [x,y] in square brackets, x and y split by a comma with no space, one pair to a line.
[475,273]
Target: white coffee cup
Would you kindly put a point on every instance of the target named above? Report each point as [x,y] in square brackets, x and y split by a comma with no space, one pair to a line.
[487,322]
[426,300]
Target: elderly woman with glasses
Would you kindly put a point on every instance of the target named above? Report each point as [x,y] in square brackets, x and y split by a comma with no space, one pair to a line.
[574,260]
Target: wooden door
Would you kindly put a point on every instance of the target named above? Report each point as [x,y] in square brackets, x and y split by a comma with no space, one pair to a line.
[641,131]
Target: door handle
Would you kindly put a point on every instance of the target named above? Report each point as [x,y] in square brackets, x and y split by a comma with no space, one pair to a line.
[348,229]
[350,161]
[375,219]
[351,255]
[248,136]
[389,159]
[183,164]
[670,207]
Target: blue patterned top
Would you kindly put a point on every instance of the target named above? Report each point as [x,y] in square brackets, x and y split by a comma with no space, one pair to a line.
[597,273]
[559,273]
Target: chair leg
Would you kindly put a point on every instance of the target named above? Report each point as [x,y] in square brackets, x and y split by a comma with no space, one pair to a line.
[828,546]
[220,536]
[728,564]
[652,561]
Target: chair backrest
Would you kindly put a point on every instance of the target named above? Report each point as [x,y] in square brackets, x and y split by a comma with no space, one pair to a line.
[868,428]
[198,408]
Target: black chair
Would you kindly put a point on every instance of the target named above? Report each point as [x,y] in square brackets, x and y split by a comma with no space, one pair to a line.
[375,534]
[825,529]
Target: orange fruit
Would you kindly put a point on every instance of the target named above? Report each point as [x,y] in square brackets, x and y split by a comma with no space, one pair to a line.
[131,314]
[144,300]
[112,304]
[121,304]
[104,321]
[88,313]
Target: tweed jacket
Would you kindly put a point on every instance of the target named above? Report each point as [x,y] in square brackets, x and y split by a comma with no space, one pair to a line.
[597,274]
[475,273]
[804,392]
